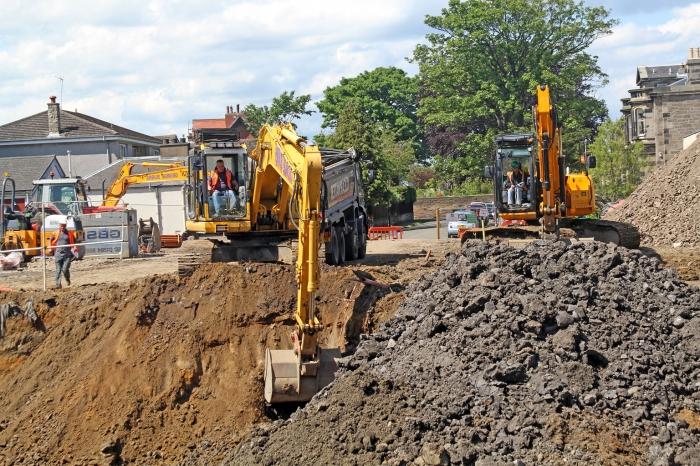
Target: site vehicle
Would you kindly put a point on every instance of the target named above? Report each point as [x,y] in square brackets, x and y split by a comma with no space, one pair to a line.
[22,230]
[345,222]
[536,195]
[261,217]
[460,218]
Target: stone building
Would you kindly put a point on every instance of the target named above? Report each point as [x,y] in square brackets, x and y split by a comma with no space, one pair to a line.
[81,143]
[664,109]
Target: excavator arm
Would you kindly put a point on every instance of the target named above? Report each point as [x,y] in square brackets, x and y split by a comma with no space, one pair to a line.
[287,183]
[170,172]
[548,133]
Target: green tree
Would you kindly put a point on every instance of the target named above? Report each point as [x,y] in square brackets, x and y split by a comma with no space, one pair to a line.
[620,165]
[285,108]
[480,66]
[353,129]
[386,96]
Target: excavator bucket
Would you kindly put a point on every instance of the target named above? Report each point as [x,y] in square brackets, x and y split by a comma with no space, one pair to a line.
[289,380]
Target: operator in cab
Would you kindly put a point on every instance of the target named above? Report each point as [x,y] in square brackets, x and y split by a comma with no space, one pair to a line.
[517,187]
[222,187]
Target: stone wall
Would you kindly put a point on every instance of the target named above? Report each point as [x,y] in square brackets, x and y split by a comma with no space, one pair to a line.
[677,116]
[424,208]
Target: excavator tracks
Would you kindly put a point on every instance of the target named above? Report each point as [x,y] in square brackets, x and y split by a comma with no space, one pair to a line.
[622,234]
[193,253]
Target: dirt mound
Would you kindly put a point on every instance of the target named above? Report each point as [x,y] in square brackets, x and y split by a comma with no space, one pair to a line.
[553,354]
[665,206]
[152,371]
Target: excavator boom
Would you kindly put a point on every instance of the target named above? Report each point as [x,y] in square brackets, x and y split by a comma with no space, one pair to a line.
[169,172]
[292,168]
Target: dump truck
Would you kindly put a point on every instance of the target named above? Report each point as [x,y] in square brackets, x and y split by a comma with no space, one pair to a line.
[345,221]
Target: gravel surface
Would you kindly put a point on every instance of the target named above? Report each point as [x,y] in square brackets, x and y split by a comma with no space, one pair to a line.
[579,354]
[665,206]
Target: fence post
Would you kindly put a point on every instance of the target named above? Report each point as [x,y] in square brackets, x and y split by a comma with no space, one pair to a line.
[437,222]
[43,239]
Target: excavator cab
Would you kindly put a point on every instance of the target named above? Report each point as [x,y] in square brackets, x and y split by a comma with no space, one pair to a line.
[219,203]
[514,174]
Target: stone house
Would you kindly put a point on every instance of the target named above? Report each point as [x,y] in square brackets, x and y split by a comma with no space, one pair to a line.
[81,143]
[664,109]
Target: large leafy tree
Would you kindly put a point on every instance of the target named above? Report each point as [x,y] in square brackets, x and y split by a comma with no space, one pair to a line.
[386,96]
[620,165]
[480,66]
[285,108]
[354,129]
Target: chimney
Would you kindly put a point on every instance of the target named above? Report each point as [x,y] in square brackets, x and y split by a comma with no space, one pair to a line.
[238,108]
[54,114]
[693,65]
[228,118]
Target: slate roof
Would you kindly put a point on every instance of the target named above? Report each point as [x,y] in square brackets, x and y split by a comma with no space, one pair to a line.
[24,170]
[661,72]
[73,124]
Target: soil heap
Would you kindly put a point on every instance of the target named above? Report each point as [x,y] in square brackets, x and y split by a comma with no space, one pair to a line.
[558,353]
[152,371]
[665,206]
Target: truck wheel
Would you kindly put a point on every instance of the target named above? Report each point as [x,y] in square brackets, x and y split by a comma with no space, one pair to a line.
[332,249]
[341,245]
[351,246]
[330,252]
[362,243]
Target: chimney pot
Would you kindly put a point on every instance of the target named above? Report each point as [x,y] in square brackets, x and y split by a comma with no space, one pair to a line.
[52,99]
[238,108]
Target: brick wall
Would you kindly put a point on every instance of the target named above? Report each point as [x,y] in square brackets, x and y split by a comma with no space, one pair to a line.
[424,207]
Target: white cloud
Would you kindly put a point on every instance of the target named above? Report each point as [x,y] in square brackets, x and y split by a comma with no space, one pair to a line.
[154,65]
[633,44]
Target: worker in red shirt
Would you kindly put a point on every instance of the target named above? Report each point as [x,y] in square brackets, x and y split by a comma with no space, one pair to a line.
[222,187]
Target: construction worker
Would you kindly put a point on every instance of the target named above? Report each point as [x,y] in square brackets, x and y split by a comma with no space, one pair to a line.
[222,184]
[63,246]
[516,178]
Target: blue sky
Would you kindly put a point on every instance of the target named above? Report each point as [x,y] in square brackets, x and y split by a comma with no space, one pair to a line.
[153,65]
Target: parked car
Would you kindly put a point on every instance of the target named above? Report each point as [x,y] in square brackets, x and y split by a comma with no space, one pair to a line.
[464,218]
[491,207]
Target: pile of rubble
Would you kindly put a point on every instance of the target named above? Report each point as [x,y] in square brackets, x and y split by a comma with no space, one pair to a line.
[665,206]
[556,353]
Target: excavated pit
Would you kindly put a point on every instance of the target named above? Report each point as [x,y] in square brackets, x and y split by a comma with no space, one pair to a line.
[153,371]
[552,354]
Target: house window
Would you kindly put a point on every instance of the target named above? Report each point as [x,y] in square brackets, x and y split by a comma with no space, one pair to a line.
[139,151]
[122,151]
[641,131]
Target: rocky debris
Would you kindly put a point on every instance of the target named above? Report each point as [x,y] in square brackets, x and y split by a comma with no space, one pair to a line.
[665,206]
[11,309]
[157,370]
[550,354]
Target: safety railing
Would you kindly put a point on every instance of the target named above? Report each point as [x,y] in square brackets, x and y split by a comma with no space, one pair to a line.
[392,233]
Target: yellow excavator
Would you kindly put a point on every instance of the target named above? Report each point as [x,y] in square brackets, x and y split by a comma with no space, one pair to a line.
[536,195]
[168,172]
[287,183]
[281,194]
